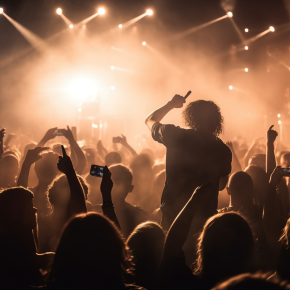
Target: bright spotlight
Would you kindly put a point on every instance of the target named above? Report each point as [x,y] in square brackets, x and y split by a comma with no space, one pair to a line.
[71,26]
[101,11]
[120,26]
[272,29]
[1,10]
[95,126]
[246,69]
[230,14]
[279,115]
[149,12]
[144,43]
[231,87]
[112,67]
[279,122]
[246,47]
[113,88]
[80,110]
[59,11]
[246,30]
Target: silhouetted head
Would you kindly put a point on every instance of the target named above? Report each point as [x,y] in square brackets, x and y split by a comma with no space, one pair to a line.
[90,244]
[250,282]
[240,188]
[122,179]
[46,167]
[9,165]
[141,162]
[260,181]
[16,209]
[285,159]
[146,243]
[113,158]
[204,116]
[225,248]
[259,160]
[59,191]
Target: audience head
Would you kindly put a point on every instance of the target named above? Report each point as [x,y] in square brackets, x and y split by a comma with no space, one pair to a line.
[240,188]
[141,162]
[122,179]
[46,168]
[90,244]
[59,191]
[225,248]
[113,158]
[285,159]
[16,210]
[204,116]
[9,165]
[259,160]
[260,181]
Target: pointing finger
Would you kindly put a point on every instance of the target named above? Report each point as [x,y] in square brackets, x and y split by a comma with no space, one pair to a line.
[63,151]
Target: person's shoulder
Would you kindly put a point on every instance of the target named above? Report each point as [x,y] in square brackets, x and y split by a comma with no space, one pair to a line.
[133,287]
[137,210]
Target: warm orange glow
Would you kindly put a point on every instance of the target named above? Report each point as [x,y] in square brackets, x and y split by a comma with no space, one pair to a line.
[144,43]
[71,26]
[231,87]
[59,11]
[246,30]
[101,11]
[272,29]
[246,47]
[246,69]
[120,26]
[149,12]
[1,10]
[230,14]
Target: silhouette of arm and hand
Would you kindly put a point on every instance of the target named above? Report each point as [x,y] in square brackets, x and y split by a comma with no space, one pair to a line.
[31,157]
[77,199]
[236,166]
[49,135]
[123,141]
[2,134]
[106,190]
[270,154]
[156,116]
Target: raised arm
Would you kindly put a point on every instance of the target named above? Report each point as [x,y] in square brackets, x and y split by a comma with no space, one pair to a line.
[106,189]
[48,136]
[236,166]
[179,230]
[123,141]
[156,116]
[31,157]
[250,151]
[270,153]
[81,158]
[77,198]
[2,134]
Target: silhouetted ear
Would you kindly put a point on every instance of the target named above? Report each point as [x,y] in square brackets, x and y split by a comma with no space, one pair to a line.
[228,190]
[131,187]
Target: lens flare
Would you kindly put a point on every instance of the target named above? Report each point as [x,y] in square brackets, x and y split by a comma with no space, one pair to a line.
[279,122]
[246,47]
[246,69]
[231,87]
[272,29]
[120,26]
[279,115]
[95,126]
[230,14]
[112,67]
[246,30]
[144,43]
[71,26]
[149,12]
[1,10]
[101,11]
[59,11]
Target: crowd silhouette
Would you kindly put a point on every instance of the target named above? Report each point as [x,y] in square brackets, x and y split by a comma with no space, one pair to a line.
[152,221]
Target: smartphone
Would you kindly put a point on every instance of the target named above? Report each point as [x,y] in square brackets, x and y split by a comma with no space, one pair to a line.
[116,140]
[97,170]
[58,132]
[285,171]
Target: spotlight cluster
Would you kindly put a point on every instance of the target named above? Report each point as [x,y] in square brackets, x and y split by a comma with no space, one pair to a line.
[1,10]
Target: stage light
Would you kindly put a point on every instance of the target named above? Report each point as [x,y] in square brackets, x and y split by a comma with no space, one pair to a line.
[279,115]
[246,47]
[95,126]
[231,87]
[80,109]
[230,14]
[101,11]
[71,26]
[246,69]
[112,67]
[59,11]
[144,43]
[149,12]
[113,88]
[246,30]
[120,26]
[272,29]
[279,122]
[1,10]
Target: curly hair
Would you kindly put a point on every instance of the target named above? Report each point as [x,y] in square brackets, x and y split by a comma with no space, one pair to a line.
[204,116]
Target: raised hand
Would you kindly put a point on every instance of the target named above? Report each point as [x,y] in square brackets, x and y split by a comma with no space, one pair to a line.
[276,176]
[34,154]
[67,133]
[50,134]
[123,140]
[64,163]
[2,134]
[271,135]
[177,101]
[106,186]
